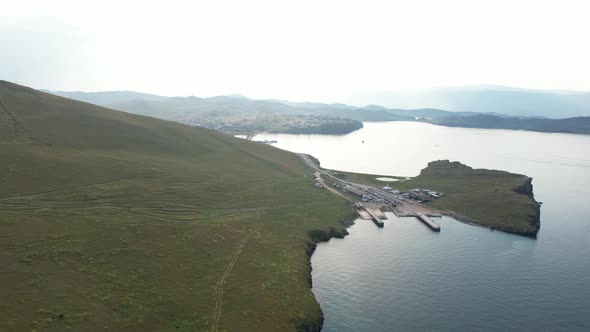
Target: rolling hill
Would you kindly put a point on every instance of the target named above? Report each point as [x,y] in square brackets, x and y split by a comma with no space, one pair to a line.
[238,114]
[182,108]
[231,114]
[120,222]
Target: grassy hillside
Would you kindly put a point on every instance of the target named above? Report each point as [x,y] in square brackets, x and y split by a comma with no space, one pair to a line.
[117,222]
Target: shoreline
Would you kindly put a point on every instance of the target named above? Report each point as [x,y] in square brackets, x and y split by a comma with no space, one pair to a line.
[319,236]
[469,221]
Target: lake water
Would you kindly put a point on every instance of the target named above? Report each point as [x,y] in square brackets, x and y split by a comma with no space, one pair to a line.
[405,277]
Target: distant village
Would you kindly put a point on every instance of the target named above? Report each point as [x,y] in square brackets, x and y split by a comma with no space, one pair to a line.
[278,123]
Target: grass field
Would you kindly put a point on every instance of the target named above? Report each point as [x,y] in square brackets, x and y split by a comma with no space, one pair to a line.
[117,222]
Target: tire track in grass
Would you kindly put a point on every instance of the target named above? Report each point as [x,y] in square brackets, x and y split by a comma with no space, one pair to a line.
[15,124]
[14,127]
[31,195]
[19,137]
[221,284]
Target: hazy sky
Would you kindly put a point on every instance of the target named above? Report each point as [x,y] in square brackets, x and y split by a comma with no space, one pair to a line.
[298,50]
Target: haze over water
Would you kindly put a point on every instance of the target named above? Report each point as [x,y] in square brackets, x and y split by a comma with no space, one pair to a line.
[405,277]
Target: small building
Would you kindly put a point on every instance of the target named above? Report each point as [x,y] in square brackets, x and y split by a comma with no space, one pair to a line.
[387,188]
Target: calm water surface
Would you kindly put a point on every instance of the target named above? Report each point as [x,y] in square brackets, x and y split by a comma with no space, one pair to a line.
[405,277]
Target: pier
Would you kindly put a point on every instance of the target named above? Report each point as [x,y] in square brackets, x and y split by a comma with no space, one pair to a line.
[375,217]
[428,222]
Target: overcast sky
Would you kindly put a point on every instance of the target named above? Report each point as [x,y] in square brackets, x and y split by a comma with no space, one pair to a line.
[298,50]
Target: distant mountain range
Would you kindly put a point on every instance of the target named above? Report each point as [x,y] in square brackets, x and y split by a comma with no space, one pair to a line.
[174,108]
[576,125]
[486,99]
[514,109]
[233,114]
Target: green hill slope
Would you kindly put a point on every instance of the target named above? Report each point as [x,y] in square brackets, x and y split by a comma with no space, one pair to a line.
[114,221]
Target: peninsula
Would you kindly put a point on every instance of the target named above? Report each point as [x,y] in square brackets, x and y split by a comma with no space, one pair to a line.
[493,199]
